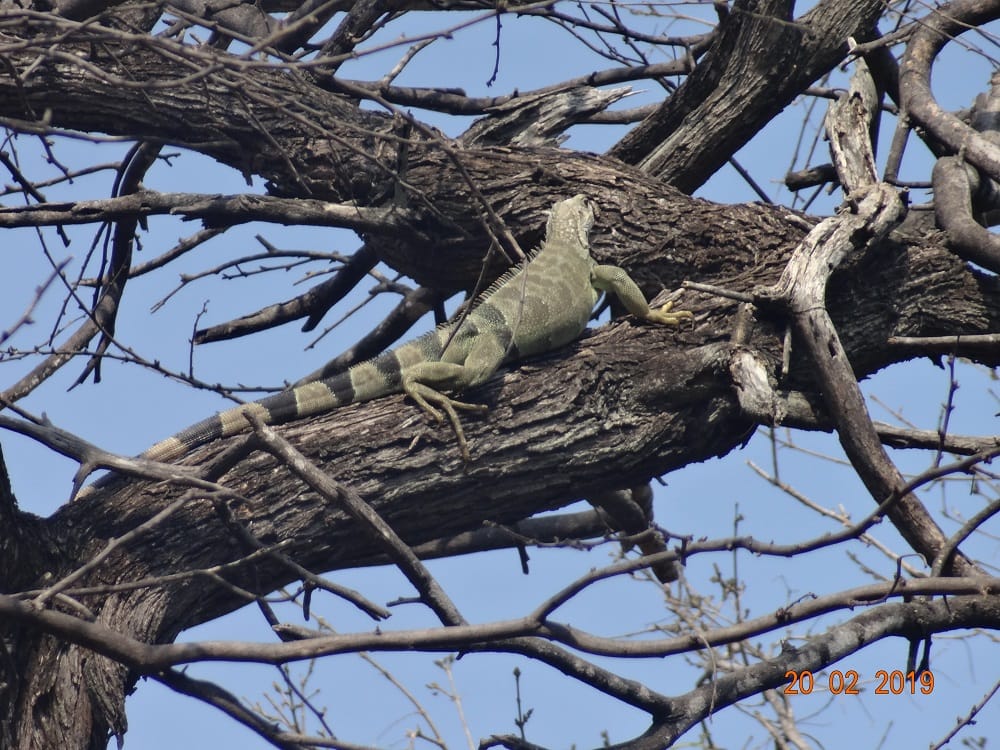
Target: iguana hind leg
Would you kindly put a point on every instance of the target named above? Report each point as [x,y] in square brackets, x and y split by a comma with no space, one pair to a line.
[424,395]
[425,382]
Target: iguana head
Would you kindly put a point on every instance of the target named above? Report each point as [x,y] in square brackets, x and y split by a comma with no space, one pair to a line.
[570,222]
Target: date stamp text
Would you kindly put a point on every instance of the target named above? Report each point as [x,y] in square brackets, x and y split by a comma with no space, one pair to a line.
[835,682]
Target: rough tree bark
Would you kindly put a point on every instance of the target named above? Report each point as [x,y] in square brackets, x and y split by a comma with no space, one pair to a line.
[623,404]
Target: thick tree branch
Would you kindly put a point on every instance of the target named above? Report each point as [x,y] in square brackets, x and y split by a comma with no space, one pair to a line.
[762,59]
[212,210]
[876,209]
[917,99]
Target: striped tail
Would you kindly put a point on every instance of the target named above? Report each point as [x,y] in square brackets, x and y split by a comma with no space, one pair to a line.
[365,381]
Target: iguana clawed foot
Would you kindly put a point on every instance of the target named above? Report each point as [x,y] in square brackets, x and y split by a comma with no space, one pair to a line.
[666,315]
[423,395]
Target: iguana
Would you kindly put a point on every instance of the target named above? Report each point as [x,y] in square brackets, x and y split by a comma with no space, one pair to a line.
[539,306]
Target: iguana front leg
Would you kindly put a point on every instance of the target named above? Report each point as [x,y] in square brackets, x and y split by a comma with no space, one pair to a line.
[616,280]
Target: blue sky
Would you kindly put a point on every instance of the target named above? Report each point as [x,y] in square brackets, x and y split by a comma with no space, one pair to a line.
[133,408]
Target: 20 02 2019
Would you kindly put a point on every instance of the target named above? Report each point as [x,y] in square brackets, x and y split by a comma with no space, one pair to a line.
[888,682]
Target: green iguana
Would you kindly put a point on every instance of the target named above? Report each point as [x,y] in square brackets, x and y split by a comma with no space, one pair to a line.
[534,308]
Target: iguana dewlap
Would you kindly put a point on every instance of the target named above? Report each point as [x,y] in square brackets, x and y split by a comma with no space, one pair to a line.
[537,307]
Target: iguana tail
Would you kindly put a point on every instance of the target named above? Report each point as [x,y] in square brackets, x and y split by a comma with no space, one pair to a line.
[365,381]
